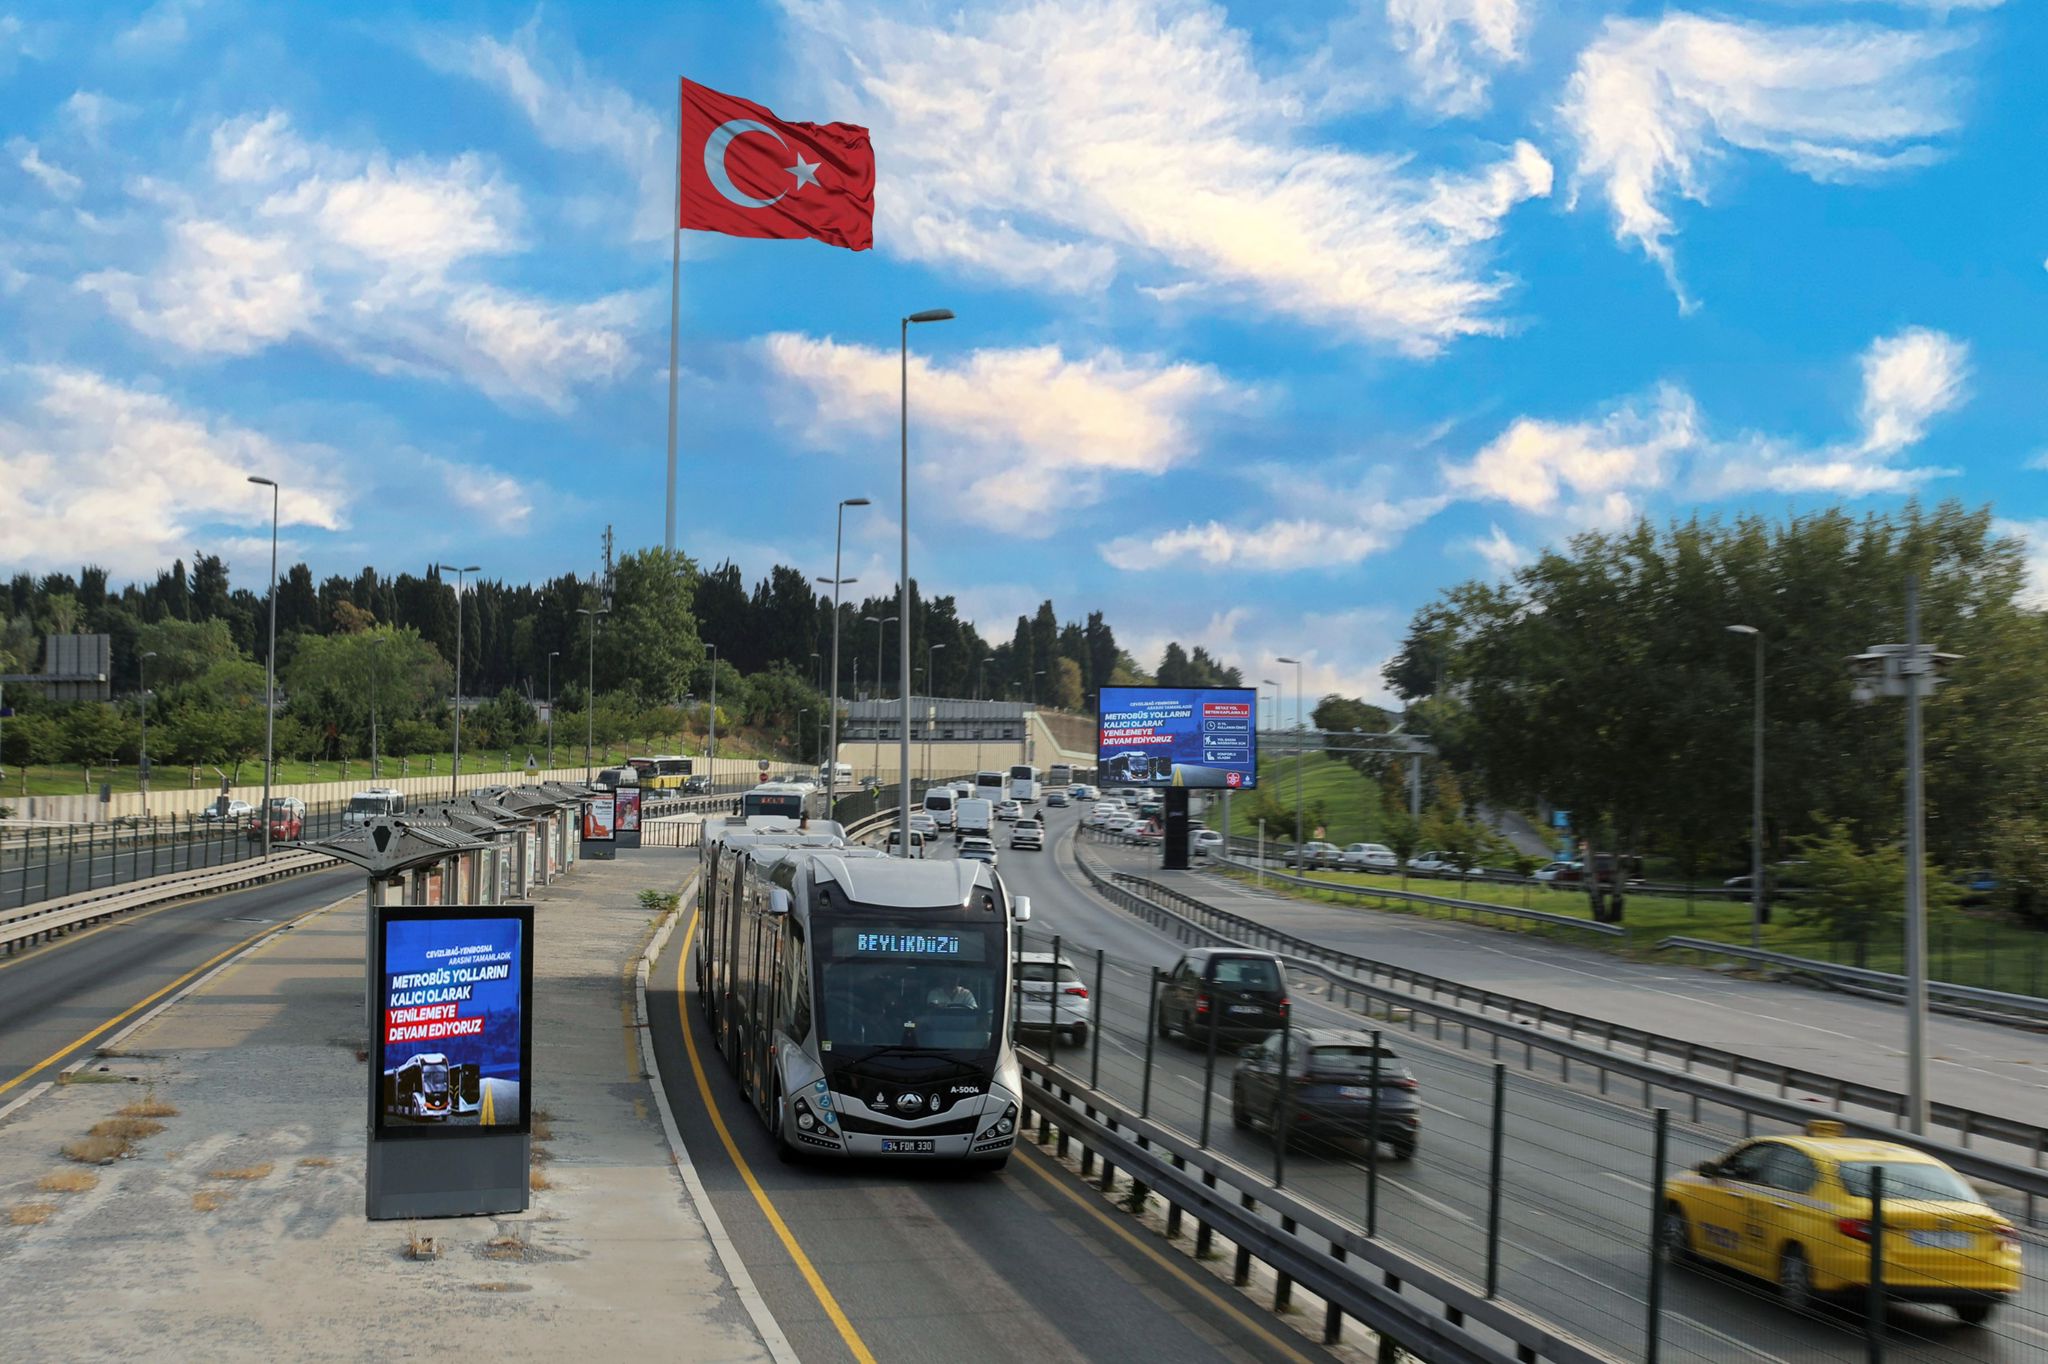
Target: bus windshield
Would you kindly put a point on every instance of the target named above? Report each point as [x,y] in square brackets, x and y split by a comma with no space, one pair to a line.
[932,986]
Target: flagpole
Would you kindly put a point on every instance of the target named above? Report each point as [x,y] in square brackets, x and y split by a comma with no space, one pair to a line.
[675,313]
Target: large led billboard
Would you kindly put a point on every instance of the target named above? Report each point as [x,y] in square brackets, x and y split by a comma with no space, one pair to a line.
[454,1042]
[1177,736]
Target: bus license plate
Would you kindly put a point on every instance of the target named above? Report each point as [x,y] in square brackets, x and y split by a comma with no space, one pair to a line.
[1941,1240]
[906,1146]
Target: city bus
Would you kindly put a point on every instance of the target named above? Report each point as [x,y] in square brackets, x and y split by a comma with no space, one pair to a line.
[1024,784]
[862,1002]
[662,772]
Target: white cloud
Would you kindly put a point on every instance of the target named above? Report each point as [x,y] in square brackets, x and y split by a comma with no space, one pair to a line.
[1653,104]
[572,111]
[1012,437]
[284,239]
[1056,146]
[1452,47]
[58,181]
[1364,523]
[1908,379]
[89,466]
[1593,469]
[1502,555]
[499,500]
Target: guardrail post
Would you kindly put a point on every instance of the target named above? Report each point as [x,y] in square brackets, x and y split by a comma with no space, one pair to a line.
[1873,1321]
[1654,1314]
[1493,1181]
[1095,1039]
[1151,1035]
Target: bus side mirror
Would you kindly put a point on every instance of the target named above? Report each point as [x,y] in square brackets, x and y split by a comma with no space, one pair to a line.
[778,901]
[1020,909]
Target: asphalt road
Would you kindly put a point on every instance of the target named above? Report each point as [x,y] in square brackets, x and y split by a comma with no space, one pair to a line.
[60,999]
[926,1264]
[1577,1171]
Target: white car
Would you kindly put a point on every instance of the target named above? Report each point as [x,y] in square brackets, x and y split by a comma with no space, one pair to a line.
[1050,995]
[1028,833]
[1010,809]
[978,850]
[1206,842]
[1368,857]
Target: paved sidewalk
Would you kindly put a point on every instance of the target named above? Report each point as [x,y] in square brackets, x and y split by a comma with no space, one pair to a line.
[237,1232]
[1982,1066]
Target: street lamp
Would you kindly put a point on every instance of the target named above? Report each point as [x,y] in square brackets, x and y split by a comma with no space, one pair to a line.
[142,770]
[1911,670]
[1297,750]
[455,776]
[590,685]
[832,745]
[376,669]
[553,654]
[1757,908]
[903,586]
[711,738]
[270,670]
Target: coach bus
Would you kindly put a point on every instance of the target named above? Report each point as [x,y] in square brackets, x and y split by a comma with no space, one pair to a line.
[1024,784]
[862,1002]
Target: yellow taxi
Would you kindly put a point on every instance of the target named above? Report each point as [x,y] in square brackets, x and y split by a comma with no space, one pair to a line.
[1796,1210]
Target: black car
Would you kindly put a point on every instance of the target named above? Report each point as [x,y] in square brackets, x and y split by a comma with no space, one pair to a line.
[1236,993]
[1330,1071]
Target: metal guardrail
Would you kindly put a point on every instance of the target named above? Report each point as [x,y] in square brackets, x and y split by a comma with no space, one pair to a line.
[1336,968]
[1416,897]
[1885,982]
[21,927]
[1357,1277]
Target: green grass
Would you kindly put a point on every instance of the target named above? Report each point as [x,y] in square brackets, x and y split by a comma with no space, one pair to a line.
[1977,949]
[1350,801]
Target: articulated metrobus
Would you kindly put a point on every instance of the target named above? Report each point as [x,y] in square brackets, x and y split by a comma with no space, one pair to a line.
[862,1001]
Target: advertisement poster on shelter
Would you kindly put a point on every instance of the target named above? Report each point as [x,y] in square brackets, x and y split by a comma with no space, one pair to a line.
[453,1046]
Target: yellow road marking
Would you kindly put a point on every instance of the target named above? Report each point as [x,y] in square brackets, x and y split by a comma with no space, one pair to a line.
[854,1343]
[138,1007]
[1171,1264]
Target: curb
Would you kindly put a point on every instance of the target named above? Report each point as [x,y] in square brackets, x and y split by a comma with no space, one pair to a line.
[779,1348]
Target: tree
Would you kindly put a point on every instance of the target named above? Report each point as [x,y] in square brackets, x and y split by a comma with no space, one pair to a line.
[1859,896]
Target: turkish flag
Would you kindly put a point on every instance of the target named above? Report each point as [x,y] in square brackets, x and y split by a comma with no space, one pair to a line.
[747,173]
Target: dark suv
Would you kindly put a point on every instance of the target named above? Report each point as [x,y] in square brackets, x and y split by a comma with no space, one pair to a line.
[1331,1073]
[1237,993]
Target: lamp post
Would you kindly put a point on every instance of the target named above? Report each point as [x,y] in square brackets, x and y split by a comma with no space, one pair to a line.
[455,774]
[1297,750]
[1757,907]
[590,685]
[1911,670]
[142,768]
[711,738]
[270,670]
[832,745]
[376,669]
[553,654]
[903,586]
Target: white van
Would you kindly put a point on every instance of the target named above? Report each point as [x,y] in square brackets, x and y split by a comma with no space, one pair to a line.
[939,805]
[374,803]
[973,818]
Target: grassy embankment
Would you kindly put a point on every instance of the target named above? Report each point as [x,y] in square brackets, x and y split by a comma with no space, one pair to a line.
[1969,948]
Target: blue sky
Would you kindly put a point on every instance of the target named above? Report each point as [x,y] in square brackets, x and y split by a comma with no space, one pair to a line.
[1273,320]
